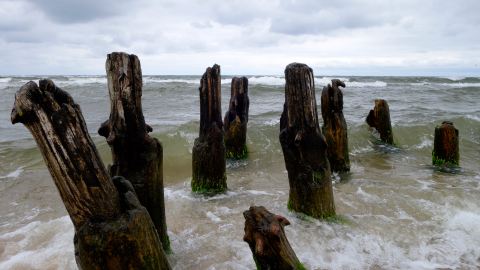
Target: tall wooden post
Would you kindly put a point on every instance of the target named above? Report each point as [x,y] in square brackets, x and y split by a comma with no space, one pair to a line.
[266,237]
[445,146]
[379,118]
[208,153]
[304,147]
[335,127]
[112,230]
[136,156]
[236,119]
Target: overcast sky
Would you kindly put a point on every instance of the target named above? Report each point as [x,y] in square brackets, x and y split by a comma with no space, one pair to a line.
[346,37]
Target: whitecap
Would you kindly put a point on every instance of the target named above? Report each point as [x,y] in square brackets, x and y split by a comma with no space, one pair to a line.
[13,174]
[213,217]
[39,245]
[267,80]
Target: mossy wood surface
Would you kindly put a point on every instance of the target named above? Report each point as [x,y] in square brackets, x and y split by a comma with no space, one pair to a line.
[304,147]
[445,147]
[208,153]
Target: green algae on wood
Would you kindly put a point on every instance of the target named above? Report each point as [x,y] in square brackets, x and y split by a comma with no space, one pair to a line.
[445,147]
[304,147]
[265,235]
[208,153]
[236,119]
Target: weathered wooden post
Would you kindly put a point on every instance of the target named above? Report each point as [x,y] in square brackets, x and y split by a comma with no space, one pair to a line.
[335,127]
[236,119]
[265,235]
[445,146]
[135,155]
[208,153]
[304,147]
[112,229]
[379,118]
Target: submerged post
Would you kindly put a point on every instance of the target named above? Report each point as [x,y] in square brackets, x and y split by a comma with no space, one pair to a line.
[135,155]
[445,147]
[379,118]
[304,147]
[236,119]
[335,127]
[112,230]
[265,235]
[208,153]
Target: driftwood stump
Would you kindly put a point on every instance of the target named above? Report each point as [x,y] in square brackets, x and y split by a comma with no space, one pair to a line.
[99,208]
[445,146]
[335,127]
[208,153]
[136,156]
[304,147]
[236,118]
[379,118]
[265,235]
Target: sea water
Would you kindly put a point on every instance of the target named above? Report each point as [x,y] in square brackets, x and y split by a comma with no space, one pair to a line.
[397,211]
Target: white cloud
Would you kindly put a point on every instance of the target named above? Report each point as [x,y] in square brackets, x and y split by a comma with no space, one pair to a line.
[244,37]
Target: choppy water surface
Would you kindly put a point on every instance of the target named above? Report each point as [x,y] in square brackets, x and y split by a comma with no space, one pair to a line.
[399,211]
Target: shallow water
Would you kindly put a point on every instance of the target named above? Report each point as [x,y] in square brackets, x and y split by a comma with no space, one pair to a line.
[398,211]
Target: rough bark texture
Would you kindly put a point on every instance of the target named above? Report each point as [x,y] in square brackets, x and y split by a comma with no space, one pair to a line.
[106,217]
[121,243]
[236,118]
[304,147]
[379,118]
[208,153]
[59,129]
[335,127]
[445,147]
[265,235]
[136,156]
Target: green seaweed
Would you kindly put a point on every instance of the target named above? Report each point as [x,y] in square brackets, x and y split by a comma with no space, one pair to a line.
[213,187]
[243,154]
[300,266]
[437,161]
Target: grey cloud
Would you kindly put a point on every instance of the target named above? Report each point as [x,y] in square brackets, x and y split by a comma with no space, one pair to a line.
[78,11]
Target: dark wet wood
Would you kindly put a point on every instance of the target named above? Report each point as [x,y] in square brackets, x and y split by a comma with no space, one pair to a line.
[236,119]
[57,125]
[208,153]
[379,118]
[304,147]
[265,235]
[105,215]
[128,242]
[135,155]
[335,127]
[445,146]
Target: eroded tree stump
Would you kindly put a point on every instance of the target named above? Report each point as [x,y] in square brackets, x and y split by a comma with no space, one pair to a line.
[335,127]
[135,155]
[99,209]
[208,153]
[445,146]
[304,147]
[265,235]
[379,118]
[236,119]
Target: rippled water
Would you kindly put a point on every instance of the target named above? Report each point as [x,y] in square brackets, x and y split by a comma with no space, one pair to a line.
[399,212]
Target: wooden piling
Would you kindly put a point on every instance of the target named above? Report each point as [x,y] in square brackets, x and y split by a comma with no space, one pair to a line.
[236,119]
